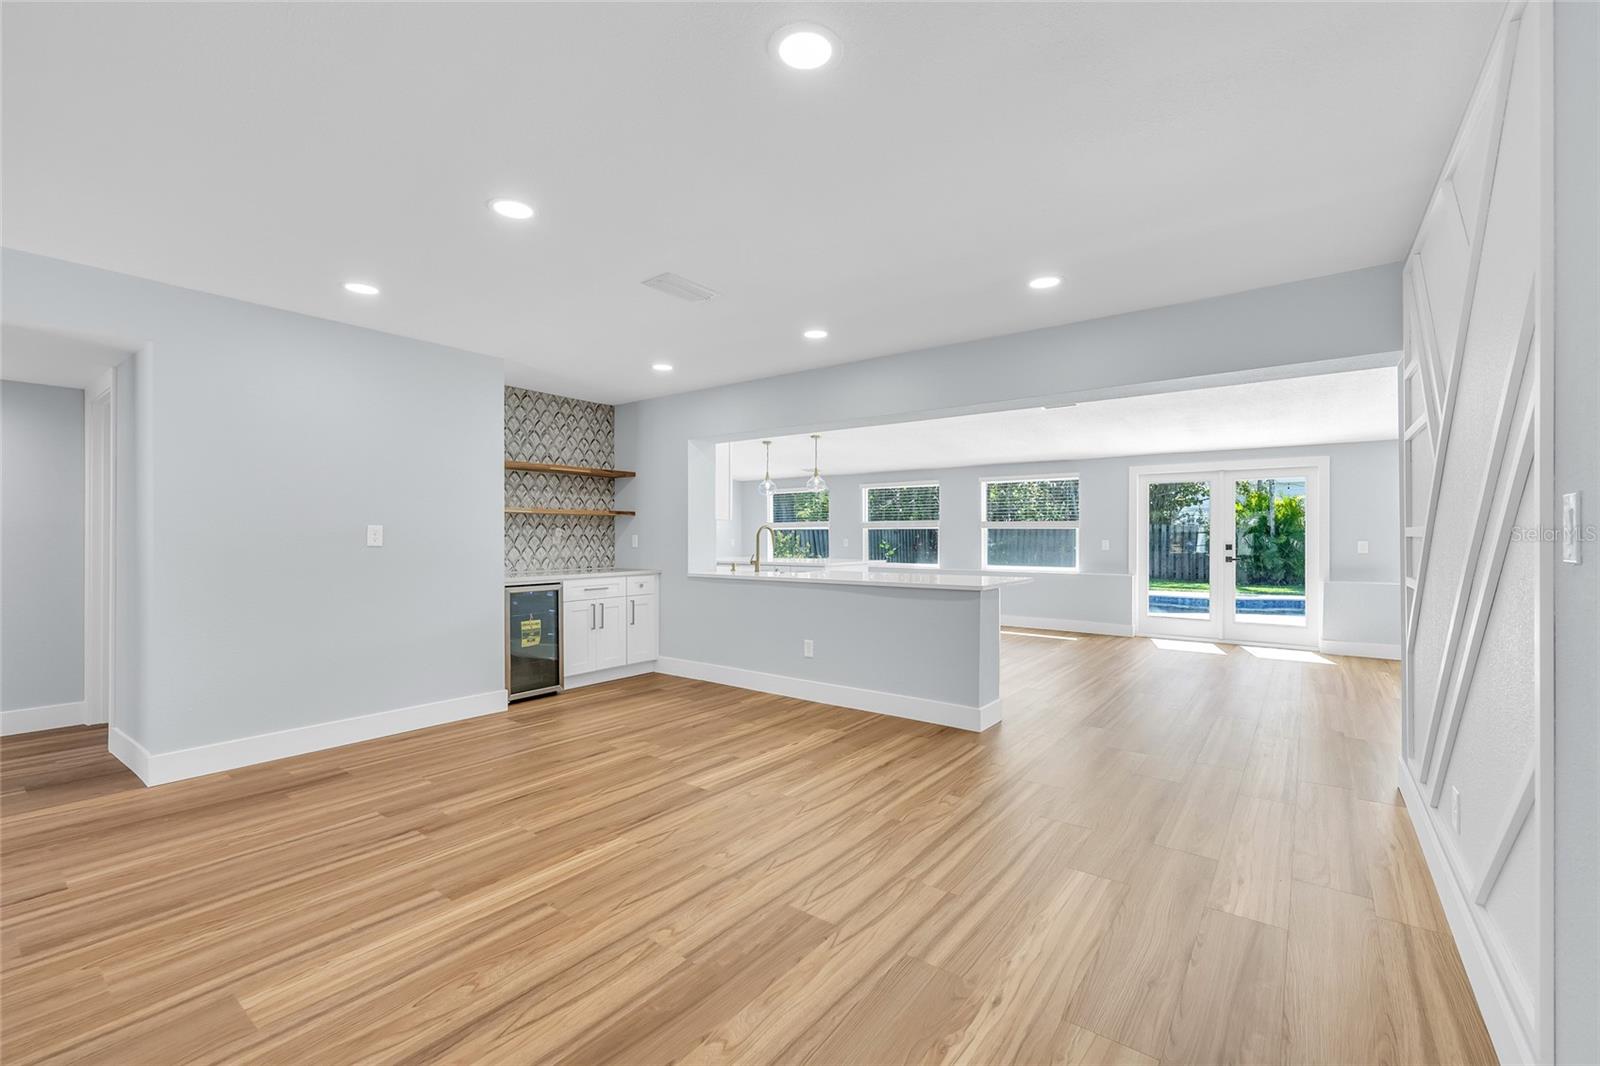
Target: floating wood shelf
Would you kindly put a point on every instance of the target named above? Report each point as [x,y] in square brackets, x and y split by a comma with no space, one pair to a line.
[580,512]
[560,468]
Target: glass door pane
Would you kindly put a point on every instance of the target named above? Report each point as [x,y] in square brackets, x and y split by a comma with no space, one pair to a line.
[1270,560]
[1179,549]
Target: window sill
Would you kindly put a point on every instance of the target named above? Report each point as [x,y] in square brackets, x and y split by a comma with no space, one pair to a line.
[1031,570]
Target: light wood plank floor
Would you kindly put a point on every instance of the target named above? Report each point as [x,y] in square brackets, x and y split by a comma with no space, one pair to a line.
[1159,856]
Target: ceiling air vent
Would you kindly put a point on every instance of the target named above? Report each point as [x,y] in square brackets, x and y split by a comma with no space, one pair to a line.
[682,288]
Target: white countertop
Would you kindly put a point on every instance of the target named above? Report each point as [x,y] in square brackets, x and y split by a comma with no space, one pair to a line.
[910,579]
[535,577]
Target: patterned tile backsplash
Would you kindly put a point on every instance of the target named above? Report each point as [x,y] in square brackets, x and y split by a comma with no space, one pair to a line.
[541,428]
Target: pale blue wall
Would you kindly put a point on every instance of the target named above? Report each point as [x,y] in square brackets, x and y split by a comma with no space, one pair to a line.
[41,545]
[1343,320]
[1362,604]
[265,442]
[1576,34]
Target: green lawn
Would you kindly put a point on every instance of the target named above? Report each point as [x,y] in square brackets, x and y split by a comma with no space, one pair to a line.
[1165,585]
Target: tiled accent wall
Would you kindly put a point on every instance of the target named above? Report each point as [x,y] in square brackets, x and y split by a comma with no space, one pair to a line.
[541,428]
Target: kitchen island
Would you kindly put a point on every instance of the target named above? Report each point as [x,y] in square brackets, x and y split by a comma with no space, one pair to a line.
[922,644]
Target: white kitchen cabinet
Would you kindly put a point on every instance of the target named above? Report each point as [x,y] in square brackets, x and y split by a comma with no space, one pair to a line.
[577,642]
[644,629]
[611,636]
[611,622]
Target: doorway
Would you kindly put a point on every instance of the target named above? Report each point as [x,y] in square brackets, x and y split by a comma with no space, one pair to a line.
[1233,553]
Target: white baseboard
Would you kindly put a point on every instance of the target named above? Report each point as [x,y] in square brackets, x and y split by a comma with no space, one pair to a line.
[1360,648]
[917,708]
[35,719]
[159,768]
[131,752]
[615,673]
[1067,625]
[1496,999]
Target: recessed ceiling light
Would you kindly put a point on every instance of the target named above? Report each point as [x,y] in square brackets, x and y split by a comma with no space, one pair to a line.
[1048,281]
[361,288]
[815,334]
[803,46]
[661,368]
[512,209]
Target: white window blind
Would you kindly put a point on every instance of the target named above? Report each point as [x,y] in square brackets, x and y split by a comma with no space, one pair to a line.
[1030,524]
[902,524]
[801,522]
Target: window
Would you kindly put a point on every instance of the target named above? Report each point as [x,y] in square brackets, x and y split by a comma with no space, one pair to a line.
[1030,524]
[902,527]
[800,521]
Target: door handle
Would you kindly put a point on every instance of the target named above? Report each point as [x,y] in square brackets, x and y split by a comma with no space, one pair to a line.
[632,613]
[1227,558]
[591,616]
[602,615]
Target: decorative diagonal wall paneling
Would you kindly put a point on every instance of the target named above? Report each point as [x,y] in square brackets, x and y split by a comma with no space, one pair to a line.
[1474,482]
[541,428]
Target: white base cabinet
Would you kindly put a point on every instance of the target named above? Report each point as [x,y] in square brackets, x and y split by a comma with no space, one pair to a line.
[644,629]
[577,641]
[611,639]
[610,622]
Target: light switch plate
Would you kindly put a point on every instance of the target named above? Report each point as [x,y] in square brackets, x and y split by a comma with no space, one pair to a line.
[1571,529]
[1362,547]
[374,536]
[635,541]
[810,649]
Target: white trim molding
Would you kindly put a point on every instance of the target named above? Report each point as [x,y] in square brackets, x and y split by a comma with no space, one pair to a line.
[159,768]
[1477,316]
[1067,625]
[936,712]
[1480,951]
[1360,649]
[130,752]
[599,677]
[37,719]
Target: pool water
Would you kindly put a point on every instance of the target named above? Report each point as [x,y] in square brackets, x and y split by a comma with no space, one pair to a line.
[1172,603]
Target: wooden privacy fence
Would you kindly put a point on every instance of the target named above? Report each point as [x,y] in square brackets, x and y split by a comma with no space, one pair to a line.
[1179,553]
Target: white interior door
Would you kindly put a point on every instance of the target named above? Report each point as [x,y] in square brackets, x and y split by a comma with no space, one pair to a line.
[1232,554]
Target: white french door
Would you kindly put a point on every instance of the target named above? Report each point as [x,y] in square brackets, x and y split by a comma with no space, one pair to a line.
[1234,554]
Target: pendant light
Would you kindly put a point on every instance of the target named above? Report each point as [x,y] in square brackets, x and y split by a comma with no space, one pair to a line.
[767,484]
[814,483]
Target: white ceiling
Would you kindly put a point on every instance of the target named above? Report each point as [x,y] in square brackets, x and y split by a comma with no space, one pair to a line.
[1328,409]
[46,358]
[1149,153]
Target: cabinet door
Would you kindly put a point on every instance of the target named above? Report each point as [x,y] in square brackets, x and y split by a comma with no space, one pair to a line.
[577,643]
[644,629]
[611,637]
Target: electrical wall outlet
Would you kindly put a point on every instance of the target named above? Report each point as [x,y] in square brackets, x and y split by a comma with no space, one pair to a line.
[1105,545]
[844,542]
[810,648]
[374,536]
[1455,808]
[1362,547]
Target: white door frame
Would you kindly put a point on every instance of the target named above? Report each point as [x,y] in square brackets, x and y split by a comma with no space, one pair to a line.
[100,548]
[1316,469]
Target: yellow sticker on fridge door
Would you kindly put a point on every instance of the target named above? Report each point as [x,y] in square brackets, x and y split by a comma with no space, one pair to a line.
[532,632]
